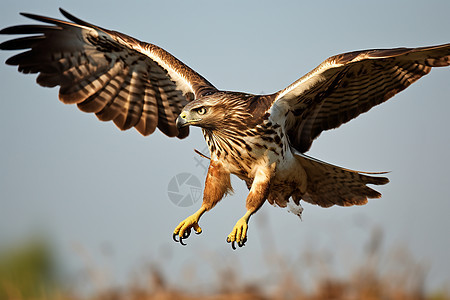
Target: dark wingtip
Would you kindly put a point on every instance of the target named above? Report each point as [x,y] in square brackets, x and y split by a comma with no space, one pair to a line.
[66,14]
[183,132]
[379,180]
[10,61]
[31,16]
[7,30]
[21,43]
[74,19]
[41,18]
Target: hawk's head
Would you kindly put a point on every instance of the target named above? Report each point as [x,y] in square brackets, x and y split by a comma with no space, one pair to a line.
[197,114]
[214,111]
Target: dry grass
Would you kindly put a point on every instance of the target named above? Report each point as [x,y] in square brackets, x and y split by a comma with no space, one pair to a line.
[395,276]
[364,284]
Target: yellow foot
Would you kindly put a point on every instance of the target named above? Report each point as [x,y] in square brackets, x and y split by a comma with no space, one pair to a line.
[239,233]
[183,229]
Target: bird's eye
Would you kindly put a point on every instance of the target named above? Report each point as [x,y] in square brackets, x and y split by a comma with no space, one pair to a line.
[201,111]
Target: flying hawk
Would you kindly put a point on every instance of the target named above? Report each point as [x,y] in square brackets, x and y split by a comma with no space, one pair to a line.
[259,138]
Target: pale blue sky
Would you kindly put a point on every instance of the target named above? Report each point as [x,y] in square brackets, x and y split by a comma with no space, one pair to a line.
[89,186]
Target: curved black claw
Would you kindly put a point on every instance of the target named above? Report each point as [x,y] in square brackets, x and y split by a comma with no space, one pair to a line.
[186,234]
[174,237]
[232,243]
[240,243]
[181,242]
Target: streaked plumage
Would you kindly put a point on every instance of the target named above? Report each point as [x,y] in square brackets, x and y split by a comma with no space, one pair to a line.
[259,138]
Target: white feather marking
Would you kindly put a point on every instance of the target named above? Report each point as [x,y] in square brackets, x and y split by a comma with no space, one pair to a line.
[315,76]
[277,113]
[182,83]
[307,81]
[294,208]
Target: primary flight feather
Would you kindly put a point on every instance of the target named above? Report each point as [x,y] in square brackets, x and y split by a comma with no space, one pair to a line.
[259,138]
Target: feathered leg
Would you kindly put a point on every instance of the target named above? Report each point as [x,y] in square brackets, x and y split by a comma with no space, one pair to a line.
[217,184]
[255,199]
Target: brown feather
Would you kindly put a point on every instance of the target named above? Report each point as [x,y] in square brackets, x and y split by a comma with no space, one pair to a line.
[347,85]
[108,73]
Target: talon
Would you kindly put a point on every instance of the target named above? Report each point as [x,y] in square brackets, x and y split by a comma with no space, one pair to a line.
[241,244]
[183,230]
[197,228]
[174,237]
[187,233]
[233,245]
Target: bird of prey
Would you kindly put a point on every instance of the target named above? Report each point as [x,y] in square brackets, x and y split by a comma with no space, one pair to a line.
[259,138]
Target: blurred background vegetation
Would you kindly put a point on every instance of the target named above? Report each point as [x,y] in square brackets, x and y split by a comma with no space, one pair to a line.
[30,271]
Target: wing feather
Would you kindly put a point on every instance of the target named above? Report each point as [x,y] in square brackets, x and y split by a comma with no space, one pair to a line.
[108,73]
[346,85]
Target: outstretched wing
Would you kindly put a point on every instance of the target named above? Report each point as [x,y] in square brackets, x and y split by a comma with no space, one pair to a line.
[346,85]
[108,73]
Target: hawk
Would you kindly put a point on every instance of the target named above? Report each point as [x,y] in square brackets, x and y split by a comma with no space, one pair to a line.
[262,139]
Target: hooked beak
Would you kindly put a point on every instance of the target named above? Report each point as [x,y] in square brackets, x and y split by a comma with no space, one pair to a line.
[182,120]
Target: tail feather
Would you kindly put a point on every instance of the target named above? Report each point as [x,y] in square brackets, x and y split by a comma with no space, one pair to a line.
[330,185]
